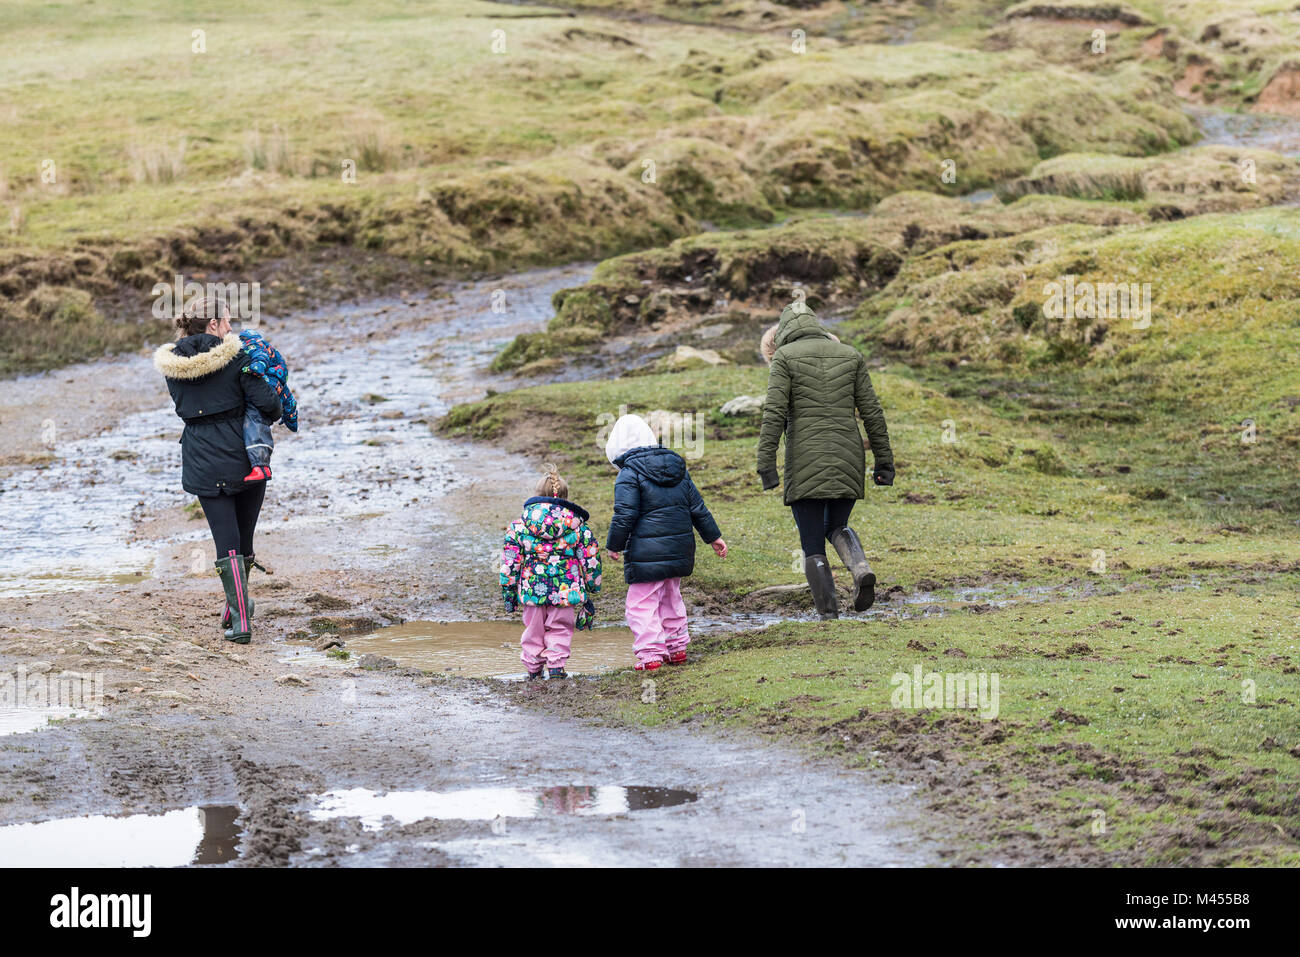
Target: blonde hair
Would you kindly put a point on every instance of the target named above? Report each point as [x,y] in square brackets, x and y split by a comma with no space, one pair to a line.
[551,484]
[767,345]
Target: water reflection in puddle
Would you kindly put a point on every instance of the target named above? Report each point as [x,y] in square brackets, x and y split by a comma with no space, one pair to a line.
[192,835]
[486,804]
[22,720]
[487,649]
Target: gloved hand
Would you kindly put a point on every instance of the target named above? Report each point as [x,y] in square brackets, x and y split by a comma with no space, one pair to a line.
[883,475]
[586,616]
[770,479]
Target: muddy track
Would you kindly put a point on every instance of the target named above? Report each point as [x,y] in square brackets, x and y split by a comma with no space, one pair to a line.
[371,518]
[391,731]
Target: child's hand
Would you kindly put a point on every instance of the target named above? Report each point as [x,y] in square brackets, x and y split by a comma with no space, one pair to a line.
[720,547]
[617,556]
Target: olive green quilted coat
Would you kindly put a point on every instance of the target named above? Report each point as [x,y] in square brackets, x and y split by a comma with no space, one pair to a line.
[814,387]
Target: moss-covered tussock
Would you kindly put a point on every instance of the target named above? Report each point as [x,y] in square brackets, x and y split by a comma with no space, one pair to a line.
[594,137]
[1218,285]
[835,262]
[538,213]
[1228,53]
[1201,180]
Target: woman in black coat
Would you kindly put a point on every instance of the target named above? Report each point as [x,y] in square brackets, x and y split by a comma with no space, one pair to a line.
[204,372]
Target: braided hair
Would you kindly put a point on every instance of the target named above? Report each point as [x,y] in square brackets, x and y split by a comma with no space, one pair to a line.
[551,484]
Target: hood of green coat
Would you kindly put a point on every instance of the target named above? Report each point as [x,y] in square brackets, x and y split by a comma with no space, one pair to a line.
[798,322]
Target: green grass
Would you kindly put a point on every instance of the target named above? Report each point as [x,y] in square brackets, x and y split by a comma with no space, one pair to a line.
[1161,754]
[1070,538]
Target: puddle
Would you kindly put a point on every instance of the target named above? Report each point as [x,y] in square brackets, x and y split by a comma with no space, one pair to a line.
[192,835]
[73,579]
[23,720]
[486,804]
[488,649]
[1281,134]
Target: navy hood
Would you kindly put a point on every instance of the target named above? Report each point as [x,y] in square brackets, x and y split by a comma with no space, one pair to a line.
[659,465]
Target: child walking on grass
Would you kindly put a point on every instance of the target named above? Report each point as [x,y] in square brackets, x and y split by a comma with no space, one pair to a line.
[657,510]
[551,566]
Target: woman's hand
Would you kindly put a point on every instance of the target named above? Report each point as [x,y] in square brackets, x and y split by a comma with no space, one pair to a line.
[617,556]
[770,479]
[883,475]
[720,547]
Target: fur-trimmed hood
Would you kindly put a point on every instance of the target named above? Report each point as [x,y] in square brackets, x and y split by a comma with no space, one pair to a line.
[194,358]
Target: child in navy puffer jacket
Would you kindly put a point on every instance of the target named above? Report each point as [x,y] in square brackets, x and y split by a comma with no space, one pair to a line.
[657,511]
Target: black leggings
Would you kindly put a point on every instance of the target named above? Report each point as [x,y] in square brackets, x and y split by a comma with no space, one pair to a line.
[232,518]
[817,518]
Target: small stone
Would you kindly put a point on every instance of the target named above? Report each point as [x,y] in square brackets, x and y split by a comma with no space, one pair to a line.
[744,405]
[687,357]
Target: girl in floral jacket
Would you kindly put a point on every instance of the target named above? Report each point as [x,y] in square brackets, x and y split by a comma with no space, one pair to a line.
[551,566]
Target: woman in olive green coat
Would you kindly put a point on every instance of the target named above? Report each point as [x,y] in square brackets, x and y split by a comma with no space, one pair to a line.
[816,388]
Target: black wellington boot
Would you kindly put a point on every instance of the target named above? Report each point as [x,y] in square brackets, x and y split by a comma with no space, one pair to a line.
[849,546]
[822,584]
[249,564]
[234,579]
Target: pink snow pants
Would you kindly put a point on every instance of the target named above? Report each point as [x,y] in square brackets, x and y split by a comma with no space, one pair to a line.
[548,633]
[657,616]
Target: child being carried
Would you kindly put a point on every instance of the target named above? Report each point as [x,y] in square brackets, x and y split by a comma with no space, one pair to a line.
[265,361]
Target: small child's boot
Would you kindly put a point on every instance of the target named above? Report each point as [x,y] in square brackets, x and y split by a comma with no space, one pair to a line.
[557,672]
[260,473]
[677,657]
[653,665]
[534,675]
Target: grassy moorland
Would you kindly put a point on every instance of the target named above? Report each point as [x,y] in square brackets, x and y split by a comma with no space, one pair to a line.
[487,136]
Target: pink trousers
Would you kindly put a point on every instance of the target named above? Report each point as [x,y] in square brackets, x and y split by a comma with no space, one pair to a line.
[548,633]
[657,616]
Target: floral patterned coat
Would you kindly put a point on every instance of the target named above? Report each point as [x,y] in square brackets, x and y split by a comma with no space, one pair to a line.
[551,558]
